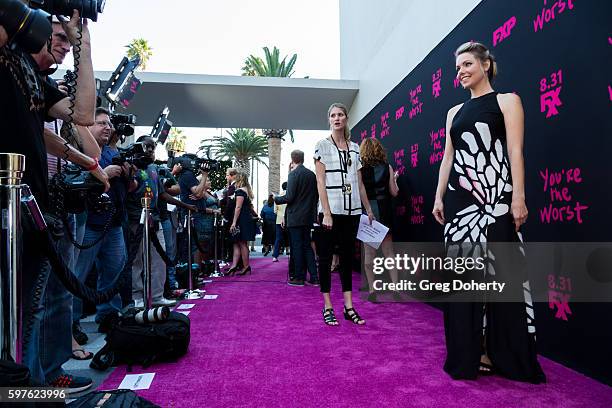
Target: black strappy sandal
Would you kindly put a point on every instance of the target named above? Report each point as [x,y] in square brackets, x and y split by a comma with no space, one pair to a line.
[485,369]
[329,317]
[354,316]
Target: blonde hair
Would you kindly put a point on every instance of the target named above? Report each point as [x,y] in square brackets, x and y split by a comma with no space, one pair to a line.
[481,52]
[372,152]
[347,131]
[243,181]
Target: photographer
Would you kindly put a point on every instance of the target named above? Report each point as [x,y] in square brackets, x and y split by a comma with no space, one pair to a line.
[104,228]
[193,191]
[27,98]
[149,185]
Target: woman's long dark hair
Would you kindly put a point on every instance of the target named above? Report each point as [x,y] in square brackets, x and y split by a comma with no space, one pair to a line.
[270,200]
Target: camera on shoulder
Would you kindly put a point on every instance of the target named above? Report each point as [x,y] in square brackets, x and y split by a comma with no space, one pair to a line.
[74,190]
[133,154]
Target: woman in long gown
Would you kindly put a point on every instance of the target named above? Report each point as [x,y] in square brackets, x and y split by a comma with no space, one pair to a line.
[483,168]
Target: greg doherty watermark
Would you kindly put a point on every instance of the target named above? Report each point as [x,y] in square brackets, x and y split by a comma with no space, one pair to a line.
[427,263]
[445,287]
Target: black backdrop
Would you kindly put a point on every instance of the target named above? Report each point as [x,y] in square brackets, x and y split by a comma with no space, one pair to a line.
[557,56]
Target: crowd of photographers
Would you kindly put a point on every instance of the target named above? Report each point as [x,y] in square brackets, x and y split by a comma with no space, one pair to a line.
[89,191]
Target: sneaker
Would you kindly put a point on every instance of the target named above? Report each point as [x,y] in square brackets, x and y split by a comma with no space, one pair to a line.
[274,259]
[78,334]
[164,302]
[295,282]
[71,383]
[313,282]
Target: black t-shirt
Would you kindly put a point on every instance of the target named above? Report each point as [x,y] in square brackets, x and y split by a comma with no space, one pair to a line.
[25,98]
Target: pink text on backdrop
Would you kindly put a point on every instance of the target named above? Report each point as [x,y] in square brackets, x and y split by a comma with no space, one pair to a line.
[560,301]
[398,158]
[373,131]
[414,155]
[364,134]
[386,131]
[550,11]
[610,91]
[400,210]
[436,83]
[504,31]
[562,207]
[456,82]
[399,113]
[414,100]
[437,143]
[550,101]
[417,217]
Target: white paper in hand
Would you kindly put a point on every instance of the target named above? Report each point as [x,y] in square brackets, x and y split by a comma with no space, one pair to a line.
[371,235]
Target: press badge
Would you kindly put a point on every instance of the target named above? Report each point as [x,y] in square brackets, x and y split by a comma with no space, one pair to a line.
[347,189]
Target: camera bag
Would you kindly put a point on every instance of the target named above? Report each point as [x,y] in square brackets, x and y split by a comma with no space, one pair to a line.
[129,342]
[110,399]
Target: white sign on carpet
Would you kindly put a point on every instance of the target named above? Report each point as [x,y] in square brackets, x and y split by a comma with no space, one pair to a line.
[137,381]
[185,306]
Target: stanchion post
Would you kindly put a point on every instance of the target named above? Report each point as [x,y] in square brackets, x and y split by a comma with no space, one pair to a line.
[146,252]
[12,167]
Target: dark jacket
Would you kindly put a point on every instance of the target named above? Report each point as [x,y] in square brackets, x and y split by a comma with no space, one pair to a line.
[301,198]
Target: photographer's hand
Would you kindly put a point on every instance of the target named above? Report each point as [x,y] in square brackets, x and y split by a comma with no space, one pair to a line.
[113,170]
[176,169]
[102,176]
[61,85]
[72,29]
[3,37]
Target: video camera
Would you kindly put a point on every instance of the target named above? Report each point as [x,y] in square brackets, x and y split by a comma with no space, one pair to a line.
[190,161]
[28,28]
[133,154]
[74,190]
[123,124]
[87,8]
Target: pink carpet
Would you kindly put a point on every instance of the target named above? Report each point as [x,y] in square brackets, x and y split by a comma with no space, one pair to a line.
[263,343]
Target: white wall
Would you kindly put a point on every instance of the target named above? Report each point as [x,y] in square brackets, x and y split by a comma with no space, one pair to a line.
[382,41]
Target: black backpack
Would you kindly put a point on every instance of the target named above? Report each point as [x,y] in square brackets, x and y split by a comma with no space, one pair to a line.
[129,342]
[112,399]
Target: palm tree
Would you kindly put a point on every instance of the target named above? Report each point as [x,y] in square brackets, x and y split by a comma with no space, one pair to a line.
[176,140]
[139,47]
[241,145]
[271,66]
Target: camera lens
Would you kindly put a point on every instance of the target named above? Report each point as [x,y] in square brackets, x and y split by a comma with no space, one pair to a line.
[30,28]
[87,8]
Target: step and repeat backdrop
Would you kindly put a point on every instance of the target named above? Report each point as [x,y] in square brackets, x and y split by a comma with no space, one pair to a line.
[557,56]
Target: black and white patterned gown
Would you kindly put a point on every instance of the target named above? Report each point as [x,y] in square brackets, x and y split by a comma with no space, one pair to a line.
[477,210]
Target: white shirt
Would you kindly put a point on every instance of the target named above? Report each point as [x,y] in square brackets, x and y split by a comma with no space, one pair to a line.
[339,175]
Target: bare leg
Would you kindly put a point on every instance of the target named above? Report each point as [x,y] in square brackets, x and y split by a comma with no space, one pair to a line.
[388,252]
[244,251]
[236,256]
[368,264]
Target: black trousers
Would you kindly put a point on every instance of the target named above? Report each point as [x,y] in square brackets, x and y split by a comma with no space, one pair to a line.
[343,235]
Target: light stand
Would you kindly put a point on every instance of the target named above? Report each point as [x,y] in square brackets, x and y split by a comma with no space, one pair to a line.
[146,253]
[12,167]
[191,293]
